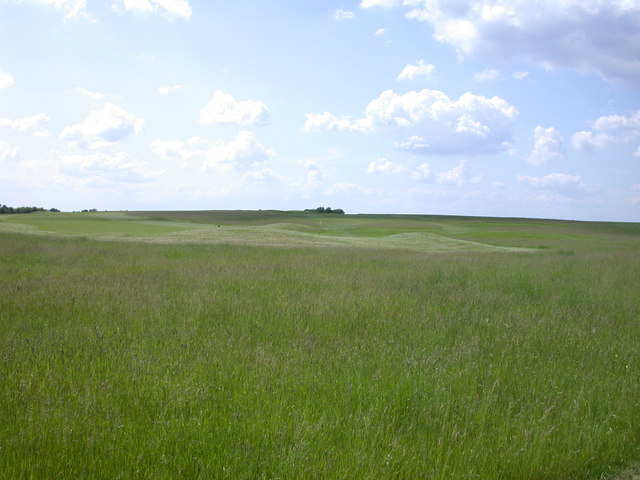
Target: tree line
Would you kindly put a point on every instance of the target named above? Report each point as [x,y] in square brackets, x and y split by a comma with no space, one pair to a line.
[8,210]
[325,210]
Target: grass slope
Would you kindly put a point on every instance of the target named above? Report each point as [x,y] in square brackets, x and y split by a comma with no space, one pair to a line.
[290,229]
[185,360]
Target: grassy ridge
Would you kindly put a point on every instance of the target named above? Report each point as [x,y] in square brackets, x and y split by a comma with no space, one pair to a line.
[130,360]
[277,228]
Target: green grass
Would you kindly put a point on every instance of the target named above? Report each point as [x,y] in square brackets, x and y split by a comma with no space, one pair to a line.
[228,360]
[300,229]
[288,229]
[89,224]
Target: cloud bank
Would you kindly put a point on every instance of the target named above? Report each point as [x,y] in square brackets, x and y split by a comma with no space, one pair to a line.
[608,130]
[596,36]
[556,182]
[429,122]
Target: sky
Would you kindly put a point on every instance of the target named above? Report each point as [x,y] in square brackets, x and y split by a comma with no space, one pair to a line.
[509,108]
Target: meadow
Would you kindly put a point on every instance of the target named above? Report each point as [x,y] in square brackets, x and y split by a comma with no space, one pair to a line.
[290,345]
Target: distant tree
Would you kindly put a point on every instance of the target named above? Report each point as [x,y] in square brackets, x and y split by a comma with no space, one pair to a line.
[325,210]
[5,209]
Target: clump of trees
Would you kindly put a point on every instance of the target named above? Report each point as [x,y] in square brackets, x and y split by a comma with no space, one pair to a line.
[8,210]
[325,210]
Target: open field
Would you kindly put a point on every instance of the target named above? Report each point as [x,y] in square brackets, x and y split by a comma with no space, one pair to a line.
[248,345]
[301,229]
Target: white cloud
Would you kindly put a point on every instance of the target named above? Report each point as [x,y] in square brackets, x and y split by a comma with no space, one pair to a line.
[239,154]
[590,141]
[71,8]
[380,32]
[342,15]
[429,122]
[26,123]
[170,8]
[326,121]
[487,74]
[264,176]
[142,5]
[88,93]
[103,127]
[109,167]
[387,167]
[521,75]
[176,150]
[459,175]
[585,35]
[6,80]
[548,145]
[8,153]
[379,3]
[242,153]
[179,8]
[421,172]
[608,130]
[629,122]
[169,89]
[224,108]
[554,181]
[382,165]
[419,70]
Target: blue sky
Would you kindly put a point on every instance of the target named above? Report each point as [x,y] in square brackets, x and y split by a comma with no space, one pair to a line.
[465,107]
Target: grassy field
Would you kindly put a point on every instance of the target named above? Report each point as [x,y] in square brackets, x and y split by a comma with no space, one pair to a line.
[248,345]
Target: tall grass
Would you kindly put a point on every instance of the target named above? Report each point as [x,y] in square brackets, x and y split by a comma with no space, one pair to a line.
[123,360]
